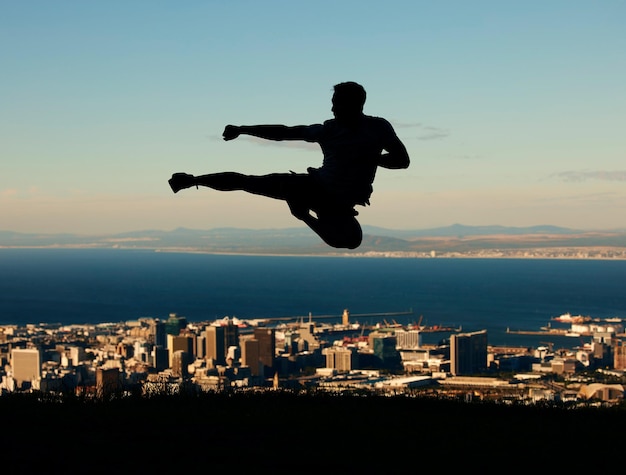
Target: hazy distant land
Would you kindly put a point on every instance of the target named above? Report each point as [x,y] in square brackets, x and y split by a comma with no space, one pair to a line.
[451,241]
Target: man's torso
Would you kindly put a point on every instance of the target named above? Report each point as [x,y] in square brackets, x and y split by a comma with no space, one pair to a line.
[351,154]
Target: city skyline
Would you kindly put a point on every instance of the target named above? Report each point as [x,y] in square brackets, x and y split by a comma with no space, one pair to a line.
[511,113]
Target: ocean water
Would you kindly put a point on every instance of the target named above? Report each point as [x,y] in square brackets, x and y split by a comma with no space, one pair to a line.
[94,286]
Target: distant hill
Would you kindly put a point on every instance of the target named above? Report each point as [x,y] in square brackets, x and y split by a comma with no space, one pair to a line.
[300,240]
[460,230]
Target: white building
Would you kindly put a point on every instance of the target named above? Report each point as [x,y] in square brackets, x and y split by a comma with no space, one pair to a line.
[408,339]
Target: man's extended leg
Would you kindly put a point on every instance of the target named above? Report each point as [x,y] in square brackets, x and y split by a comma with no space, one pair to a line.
[340,230]
[276,185]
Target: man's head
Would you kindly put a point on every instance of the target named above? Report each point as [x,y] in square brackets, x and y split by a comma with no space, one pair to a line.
[348,100]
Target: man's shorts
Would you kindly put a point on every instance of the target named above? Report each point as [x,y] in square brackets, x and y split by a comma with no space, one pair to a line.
[306,189]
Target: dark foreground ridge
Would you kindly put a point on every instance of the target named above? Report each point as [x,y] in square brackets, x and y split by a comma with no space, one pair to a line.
[286,432]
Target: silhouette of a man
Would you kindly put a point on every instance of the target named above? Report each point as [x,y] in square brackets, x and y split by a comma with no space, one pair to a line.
[325,197]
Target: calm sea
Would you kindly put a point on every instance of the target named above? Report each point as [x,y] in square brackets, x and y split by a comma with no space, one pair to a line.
[93,286]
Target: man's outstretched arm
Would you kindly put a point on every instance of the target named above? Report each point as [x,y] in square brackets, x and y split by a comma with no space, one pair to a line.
[269,132]
[396,157]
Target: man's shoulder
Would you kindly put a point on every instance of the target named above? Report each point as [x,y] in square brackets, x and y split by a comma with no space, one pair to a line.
[379,126]
[377,120]
[367,119]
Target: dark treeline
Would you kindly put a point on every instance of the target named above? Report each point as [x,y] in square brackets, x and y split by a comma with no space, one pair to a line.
[285,432]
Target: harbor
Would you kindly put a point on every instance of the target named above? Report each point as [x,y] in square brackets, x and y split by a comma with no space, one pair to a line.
[579,326]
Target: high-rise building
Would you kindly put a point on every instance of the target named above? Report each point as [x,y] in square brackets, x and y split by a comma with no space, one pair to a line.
[180,363]
[107,381]
[619,354]
[385,349]
[160,358]
[178,343]
[157,332]
[267,347]
[26,364]
[194,340]
[468,353]
[250,356]
[231,334]
[216,344]
[603,354]
[201,346]
[340,358]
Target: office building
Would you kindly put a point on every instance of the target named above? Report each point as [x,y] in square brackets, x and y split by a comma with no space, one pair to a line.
[250,356]
[468,353]
[178,343]
[408,339]
[160,358]
[26,364]
[216,344]
[157,333]
[267,347]
[201,346]
[180,363]
[385,349]
[231,334]
[340,358]
[603,354]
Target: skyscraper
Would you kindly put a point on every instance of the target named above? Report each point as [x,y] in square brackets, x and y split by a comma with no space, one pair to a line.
[180,363]
[267,347]
[468,353]
[231,334]
[384,348]
[160,358]
[178,343]
[157,332]
[216,344]
[250,356]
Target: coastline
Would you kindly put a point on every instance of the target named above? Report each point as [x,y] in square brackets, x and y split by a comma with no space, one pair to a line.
[562,253]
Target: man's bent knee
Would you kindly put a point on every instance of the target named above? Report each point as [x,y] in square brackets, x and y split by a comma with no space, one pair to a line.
[345,236]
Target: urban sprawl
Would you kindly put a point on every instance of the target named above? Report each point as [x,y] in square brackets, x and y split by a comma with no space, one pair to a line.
[154,356]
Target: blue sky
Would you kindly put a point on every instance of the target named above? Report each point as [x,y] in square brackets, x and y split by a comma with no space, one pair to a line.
[513,112]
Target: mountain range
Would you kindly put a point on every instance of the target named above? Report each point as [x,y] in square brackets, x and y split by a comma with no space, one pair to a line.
[454,238]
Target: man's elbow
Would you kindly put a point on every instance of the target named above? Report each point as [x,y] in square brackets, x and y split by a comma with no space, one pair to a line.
[402,162]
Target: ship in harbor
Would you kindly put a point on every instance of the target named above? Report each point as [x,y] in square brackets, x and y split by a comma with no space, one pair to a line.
[569,318]
[579,326]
